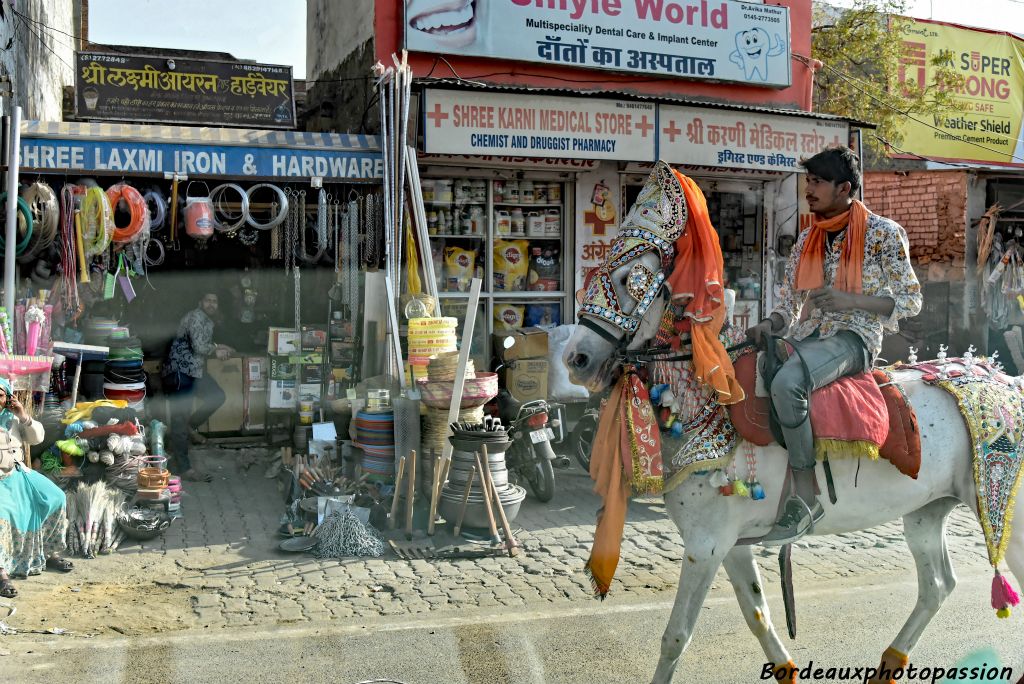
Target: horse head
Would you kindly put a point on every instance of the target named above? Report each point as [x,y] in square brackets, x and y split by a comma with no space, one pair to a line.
[624,297]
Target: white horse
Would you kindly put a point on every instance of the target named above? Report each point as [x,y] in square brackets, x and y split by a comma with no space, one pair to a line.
[711,524]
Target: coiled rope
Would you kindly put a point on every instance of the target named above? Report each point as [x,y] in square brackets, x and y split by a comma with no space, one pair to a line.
[69,247]
[25,224]
[45,208]
[97,221]
[138,224]
[157,204]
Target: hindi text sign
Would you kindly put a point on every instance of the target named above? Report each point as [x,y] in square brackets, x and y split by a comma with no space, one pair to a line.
[136,88]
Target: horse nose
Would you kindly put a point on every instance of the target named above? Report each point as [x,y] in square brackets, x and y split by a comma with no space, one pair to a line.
[578,361]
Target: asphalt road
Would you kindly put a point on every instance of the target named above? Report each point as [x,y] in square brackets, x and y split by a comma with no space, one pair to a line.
[841,624]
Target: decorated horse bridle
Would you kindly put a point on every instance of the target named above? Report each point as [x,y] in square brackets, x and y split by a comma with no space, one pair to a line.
[656,221]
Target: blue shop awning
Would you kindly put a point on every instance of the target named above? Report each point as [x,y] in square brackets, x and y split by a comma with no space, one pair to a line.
[76,148]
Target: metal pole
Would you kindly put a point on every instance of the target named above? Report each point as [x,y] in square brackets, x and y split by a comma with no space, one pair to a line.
[11,236]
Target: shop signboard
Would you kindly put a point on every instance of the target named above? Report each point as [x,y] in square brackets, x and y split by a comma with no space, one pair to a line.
[598,212]
[743,140]
[720,40]
[140,88]
[492,123]
[984,124]
[144,158]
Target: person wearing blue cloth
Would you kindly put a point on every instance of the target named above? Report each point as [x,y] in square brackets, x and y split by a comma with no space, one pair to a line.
[32,509]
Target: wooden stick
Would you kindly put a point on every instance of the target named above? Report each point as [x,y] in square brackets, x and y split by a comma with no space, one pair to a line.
[410,493]
[435,493]
[465,501]
[510,541]
[487,501]
[394,499]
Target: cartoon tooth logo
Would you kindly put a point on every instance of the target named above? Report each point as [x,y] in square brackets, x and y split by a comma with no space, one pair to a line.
[753,48]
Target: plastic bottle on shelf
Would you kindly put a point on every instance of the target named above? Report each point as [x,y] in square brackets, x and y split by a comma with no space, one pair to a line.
[518,222]
[512,191]
[526,192]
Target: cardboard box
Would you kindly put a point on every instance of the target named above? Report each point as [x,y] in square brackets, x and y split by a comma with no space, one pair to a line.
[282,368]
[311,373]
[530,343]
[306,359]
[283,394]
[229,375]
[527,379]
[309,391]
[314,338]
[283,341]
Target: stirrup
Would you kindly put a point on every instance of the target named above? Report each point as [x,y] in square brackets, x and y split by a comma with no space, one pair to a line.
[808,516]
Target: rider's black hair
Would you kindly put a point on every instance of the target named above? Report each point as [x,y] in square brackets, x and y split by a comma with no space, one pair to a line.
[837,164]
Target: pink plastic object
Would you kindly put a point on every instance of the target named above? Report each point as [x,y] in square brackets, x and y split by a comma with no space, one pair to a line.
[475,392]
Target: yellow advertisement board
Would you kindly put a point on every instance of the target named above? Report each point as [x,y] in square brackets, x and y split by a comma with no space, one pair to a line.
[985,123]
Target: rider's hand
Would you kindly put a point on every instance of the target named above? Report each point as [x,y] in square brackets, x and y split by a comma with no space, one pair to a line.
[222,353]
[831,299]
[759,333]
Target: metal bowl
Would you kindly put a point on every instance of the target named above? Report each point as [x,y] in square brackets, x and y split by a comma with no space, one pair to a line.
[476,514]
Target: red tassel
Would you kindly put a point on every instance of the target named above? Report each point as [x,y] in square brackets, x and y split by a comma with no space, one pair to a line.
[1003,595]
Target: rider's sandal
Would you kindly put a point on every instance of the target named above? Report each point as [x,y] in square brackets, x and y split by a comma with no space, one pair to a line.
[7,589]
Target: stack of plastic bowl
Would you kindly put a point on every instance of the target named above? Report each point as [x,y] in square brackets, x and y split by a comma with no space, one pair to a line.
[375,435]
[428,337]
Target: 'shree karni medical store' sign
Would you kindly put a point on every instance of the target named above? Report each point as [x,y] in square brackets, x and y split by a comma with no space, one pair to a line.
[695,39]
[59,154]
[984,124]
[459,122]
[706,137]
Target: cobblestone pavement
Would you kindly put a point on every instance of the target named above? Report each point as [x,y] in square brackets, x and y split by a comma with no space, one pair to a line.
[220,566]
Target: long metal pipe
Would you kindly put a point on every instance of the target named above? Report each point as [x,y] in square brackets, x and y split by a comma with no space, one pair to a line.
[11,235]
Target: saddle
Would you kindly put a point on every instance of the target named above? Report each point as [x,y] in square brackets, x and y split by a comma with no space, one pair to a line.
[862,414]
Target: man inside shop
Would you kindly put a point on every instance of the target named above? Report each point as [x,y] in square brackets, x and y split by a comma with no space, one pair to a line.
[848,280]
[193,395]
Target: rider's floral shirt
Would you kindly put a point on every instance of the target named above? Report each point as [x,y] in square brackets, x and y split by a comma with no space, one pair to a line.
[887,273]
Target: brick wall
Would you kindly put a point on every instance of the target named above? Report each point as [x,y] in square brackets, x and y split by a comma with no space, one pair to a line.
[932,207]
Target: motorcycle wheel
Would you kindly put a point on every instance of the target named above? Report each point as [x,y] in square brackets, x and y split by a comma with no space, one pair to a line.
[583,439]
[541,474]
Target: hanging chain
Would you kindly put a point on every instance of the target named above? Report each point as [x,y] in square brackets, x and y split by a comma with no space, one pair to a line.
[335,212]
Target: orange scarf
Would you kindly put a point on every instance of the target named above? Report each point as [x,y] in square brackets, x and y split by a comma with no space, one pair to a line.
[697,276]
[810,274]
[626,453]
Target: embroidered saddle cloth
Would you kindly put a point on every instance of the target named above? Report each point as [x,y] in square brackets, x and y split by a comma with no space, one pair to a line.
[853,416]
[994,413]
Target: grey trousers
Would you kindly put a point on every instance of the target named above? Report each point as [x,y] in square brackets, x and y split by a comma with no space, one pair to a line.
[827,360]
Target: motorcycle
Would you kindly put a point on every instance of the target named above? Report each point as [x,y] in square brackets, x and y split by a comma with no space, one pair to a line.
[531,429]
[530,456]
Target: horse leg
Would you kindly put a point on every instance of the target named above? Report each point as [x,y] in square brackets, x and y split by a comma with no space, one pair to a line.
[924,530]
[700,563]
[746,582]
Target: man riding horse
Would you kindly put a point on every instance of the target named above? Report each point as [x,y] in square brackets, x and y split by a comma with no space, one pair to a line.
[848,279]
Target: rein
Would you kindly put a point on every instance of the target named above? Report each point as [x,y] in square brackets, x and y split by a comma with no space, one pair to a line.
[660,354]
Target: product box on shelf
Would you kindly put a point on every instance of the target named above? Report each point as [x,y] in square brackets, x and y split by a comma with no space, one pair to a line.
[528,343]
[257,372]
[306,359]
[314,338]
[283,341]
[282,368]
[527,379]
[311,373]
[309,391]
[282,395]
